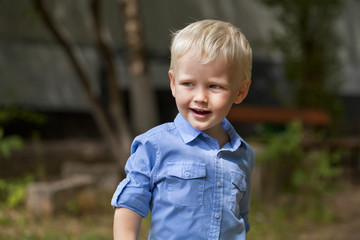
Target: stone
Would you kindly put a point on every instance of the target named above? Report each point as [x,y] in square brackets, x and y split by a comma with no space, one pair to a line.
[106,175]
[46,198]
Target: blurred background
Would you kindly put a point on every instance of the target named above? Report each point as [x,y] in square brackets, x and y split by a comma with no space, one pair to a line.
[79,79]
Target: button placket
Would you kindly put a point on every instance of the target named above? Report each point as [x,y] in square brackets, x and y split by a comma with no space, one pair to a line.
[217,200]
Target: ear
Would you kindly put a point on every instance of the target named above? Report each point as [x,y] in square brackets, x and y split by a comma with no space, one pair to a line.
[242,92]
[172,81]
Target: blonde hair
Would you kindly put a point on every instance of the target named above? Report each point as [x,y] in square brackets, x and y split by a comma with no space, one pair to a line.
[213,38]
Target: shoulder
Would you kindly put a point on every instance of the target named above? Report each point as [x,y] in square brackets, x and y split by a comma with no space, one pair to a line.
[146,148]
[160,131]
[151,146]
[155,136]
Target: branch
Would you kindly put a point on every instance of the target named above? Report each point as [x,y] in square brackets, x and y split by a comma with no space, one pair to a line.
[104,50]
[66,46]
[116,109]
[97,110]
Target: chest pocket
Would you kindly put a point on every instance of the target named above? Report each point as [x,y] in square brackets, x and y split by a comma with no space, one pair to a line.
[238,190]
[185,183]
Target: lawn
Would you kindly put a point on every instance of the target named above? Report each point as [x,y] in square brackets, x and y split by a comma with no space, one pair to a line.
[276,220]
[19,224]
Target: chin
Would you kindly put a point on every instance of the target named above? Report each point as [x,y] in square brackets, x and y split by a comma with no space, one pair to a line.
[201,128]
[198,127]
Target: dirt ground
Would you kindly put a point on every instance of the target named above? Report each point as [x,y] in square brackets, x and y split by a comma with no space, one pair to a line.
[347,223]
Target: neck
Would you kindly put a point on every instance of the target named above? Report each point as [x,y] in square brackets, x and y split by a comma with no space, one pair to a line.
[219,134]
[223,140]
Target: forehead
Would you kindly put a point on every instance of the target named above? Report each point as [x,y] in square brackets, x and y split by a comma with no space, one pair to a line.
[194,55]
[192,63]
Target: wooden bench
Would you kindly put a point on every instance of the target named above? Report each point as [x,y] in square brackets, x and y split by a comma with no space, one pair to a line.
[277,115]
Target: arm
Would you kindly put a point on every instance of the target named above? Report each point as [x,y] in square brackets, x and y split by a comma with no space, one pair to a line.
[127,224]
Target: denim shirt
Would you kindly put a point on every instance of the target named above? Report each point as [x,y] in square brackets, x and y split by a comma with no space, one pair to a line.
[193,189]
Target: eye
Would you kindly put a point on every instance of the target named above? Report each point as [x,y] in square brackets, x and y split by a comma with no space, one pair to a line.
[214,86]
[187,84]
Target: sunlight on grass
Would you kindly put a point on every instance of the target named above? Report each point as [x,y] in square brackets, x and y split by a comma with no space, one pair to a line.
[281,219]
[284,219]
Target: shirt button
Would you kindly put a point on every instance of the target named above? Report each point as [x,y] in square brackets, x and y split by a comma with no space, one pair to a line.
[219,184]
[187,174]
[217,215]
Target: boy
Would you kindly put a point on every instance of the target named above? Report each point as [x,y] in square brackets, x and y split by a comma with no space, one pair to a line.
[194,174]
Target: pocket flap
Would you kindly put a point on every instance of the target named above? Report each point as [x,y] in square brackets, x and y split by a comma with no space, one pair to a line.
[238,179]
[186,170]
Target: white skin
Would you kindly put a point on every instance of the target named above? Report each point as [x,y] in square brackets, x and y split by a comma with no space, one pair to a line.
[204,94]
[127,224]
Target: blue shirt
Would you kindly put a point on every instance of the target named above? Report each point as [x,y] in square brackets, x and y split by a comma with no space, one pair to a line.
[193,189]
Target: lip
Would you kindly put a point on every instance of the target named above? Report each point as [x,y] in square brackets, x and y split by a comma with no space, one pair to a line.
[200,113]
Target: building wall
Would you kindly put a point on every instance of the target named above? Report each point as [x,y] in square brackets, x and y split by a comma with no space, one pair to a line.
[34,71]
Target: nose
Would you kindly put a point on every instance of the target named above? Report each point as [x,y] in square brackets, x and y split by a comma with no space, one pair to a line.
[200,95]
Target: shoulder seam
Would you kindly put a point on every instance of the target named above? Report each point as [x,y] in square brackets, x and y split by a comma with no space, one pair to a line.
[158,130]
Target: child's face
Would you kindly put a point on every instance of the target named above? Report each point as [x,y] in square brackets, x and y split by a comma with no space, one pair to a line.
[204,93]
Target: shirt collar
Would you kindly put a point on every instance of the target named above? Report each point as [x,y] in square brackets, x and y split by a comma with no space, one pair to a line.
[235,140]
[188,133]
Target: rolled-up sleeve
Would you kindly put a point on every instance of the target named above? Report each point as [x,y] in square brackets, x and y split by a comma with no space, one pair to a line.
[135,191]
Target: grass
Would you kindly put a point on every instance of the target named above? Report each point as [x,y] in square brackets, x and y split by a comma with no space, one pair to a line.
[96,224]
[18,224]
[268,223]
[290,217]
[270,220]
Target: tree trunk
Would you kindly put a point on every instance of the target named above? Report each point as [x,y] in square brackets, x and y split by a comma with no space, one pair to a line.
[119,144]
[144,113]
[116,109]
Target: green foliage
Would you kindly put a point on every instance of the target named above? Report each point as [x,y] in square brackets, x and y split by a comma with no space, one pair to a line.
[309,43]
[13,192]
[72,207]
[278,220]
[9,143]
[294,169]
[11,114]
[302,176]
[7,117]
[269,222]
[291,135]
[319,180]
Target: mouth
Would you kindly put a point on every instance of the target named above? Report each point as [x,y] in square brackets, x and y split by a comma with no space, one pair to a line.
[200,111]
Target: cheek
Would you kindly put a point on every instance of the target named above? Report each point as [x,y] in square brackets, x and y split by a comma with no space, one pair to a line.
[181,98]
[222,101]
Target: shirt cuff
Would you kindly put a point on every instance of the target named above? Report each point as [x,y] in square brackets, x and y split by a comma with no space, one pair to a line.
[135,199]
